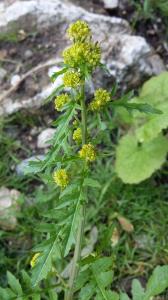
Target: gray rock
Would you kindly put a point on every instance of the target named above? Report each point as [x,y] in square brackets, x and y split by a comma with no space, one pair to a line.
[22,168]
[3,74]
[111,4]
[8,208]
[28,53]
[43,140]
[128,57]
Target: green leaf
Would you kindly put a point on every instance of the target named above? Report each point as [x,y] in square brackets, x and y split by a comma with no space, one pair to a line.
[82,278]
[91,182]
[154,125]
[72,229]
[154,91]
[44,263]
[157,283]
[112,295]
[134,162]
[87,291]
[137,290]
[5,294]
[124,296]
[14,284]
[55,75]
[105,278]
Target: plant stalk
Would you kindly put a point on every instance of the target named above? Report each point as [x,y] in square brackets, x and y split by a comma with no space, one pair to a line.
[77,252]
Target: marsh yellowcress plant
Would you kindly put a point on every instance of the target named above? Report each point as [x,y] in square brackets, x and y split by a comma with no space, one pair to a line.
[74,151]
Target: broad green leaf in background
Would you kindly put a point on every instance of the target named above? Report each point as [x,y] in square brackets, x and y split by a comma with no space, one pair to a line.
[134,162]
[157,283]
[137,290]
[153,125]
[124,296]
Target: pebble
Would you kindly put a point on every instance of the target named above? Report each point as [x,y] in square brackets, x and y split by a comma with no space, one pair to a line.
[15,79]
[111,4]
[44,137]
[28,53]
[8,208]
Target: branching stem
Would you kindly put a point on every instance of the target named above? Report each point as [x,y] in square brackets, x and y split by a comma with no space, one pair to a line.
[80,232]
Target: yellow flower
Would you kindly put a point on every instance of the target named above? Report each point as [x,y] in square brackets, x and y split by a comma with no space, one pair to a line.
[101,98]
[61,178]
[82,53]
[77,135]
[72,79]
[34,259]
[61,100]
[88,152]
[79,30]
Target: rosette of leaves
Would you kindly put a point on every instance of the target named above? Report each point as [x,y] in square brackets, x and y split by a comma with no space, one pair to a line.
[143,150]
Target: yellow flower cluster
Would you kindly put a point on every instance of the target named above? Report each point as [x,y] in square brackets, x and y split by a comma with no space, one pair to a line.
[77,135]
[101,98]
[61,178]
[79,30]
[34,259]
[61,100]
[82,53]
[72,79]
[88,152]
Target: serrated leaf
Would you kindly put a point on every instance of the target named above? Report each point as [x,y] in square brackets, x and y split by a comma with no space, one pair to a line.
[14,284]
[44,263]
[55,75]
[72,230]
[87,291]
[137,290]
[157,283]
[134,162]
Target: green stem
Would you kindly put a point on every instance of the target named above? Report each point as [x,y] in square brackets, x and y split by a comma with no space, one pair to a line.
[80,232]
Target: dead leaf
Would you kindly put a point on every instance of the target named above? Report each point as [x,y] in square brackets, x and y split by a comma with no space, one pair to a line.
[125,224]
[115,237]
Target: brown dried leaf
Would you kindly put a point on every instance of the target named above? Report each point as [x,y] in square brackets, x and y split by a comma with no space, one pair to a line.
[125,224]
[115,237]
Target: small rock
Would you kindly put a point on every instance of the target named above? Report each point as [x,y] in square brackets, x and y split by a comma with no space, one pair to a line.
[43,140]
[111,4]
[15,79]
[8,208]
[21,167]
[3,74]
[28,53]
